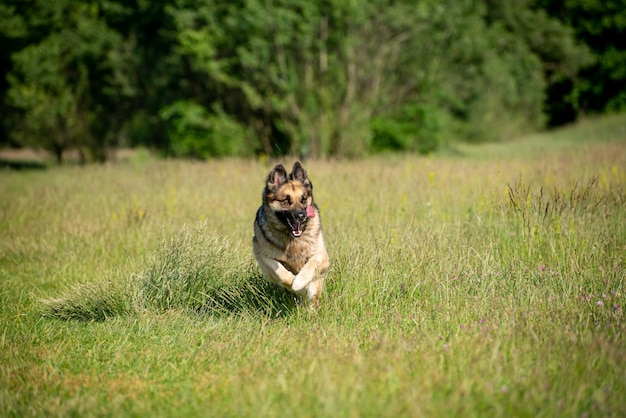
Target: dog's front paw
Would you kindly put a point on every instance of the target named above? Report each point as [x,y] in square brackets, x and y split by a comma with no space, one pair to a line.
[300,282]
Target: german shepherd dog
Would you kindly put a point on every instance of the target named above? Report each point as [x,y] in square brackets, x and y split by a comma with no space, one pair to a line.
[288,242]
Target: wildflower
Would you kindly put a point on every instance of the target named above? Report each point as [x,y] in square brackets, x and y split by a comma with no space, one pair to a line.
[462,326]
[504,389]
[542,268]
[599,303]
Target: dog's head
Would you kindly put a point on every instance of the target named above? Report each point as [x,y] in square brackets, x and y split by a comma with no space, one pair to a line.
[290,197]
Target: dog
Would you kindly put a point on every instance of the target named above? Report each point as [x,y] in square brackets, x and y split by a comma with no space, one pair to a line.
[288,243]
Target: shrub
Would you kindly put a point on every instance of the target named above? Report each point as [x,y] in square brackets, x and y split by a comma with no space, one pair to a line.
[414,128]
[195,132]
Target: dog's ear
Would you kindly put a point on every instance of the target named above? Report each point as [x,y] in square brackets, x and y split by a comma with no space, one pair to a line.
[299,173]
[277,177]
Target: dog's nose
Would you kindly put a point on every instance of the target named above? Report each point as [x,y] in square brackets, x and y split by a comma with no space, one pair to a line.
[301,215]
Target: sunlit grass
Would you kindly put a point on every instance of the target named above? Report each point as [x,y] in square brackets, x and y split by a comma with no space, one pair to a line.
[459,286]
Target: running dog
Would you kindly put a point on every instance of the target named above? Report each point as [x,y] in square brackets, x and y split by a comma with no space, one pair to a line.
[288,243]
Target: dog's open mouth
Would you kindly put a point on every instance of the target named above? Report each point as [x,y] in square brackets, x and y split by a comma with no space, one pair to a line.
[296,220]
[296,230]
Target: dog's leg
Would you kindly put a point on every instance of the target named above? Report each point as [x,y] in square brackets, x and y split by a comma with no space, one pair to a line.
[276,272]
[314,290]
[314,268]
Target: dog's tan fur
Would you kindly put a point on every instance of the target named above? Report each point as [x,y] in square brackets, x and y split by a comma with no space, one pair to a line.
[288,243]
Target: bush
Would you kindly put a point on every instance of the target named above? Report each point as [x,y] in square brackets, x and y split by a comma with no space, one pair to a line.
[195,132]
[415,128]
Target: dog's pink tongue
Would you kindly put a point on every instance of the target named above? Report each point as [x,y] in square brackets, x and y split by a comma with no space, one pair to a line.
[310,212]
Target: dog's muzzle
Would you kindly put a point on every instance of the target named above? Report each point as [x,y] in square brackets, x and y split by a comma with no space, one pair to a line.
[296,219]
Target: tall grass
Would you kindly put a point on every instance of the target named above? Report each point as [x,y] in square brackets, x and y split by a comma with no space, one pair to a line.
[192,271]
[197,272]
[459,286]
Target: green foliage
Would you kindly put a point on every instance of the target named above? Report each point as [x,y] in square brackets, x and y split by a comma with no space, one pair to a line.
[202,78]
[599,87]
[194,132]
[71,86]
[415,128]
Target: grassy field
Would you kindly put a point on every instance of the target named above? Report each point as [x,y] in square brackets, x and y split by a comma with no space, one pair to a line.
[487,281]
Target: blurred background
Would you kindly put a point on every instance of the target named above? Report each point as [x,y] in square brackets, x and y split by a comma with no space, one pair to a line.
[312,78]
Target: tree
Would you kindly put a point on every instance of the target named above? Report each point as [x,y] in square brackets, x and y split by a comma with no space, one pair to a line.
[204,78]
[71,82]
[331,77]
[599,86]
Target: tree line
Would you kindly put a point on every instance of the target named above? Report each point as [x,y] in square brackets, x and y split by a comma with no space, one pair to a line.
[344,78]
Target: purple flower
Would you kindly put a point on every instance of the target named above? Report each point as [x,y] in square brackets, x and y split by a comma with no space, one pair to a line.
[542,268]
[599,303]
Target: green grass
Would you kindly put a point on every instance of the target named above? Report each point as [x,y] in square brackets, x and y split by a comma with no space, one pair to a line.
[485,283]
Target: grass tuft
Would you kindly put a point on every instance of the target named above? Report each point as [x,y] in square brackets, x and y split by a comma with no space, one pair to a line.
[94,301]
[185,267]
[546,205]
[254,295]
[193,271]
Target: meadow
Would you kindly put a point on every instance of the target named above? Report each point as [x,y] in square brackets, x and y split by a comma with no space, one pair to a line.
[483,281]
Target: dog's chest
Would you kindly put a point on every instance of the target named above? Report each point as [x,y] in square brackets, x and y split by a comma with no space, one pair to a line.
[296,254]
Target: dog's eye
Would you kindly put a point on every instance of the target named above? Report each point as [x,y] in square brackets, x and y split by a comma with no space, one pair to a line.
[303,200]
[286,201]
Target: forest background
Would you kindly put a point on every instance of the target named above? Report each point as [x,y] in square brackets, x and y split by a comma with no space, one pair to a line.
[318,78]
